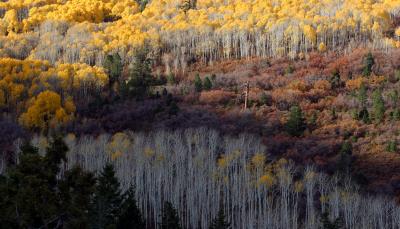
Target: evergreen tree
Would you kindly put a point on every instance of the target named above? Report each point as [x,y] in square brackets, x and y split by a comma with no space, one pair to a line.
[335,80]
[369,62]
[207,85]
[213,77]
[198,84]
[296,125]
[265,99]
[142,4]
[378,106]
[345,158]
[31,192]
[130,216]
[107,200]
[392,147]
[114,66]
[362,96]
[56,153]
[170,218]
[363,115]
[219,222]
[140,78]
[289,70]
[76,189]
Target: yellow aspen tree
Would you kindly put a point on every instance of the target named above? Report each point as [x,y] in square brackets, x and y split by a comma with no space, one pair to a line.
[45,111]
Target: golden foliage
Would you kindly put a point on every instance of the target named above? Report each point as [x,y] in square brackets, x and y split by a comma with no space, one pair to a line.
[45,111]
[120,25]
[355,84]
[119,145]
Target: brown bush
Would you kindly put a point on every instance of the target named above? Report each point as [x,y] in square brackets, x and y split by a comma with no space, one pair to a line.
[216,97]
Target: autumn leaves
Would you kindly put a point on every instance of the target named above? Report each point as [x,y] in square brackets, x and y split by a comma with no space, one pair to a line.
[211,29]
[41,95]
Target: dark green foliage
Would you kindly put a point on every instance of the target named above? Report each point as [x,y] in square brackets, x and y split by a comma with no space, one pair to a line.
[363,115]
[140,78]
[347,148]
[395,115]
[142,4]
[198,83]
[378,106]
[394,97]
[327,224]
[170,218]
[344,162]
[289,70]
[335,80]
[219,222]
[130,217]
[56,153]
[113,64]
[207,85]
[27,199]
[76,188]
[362,96]
[296,125]
[213,77]
[33,196]
[369,62]
[265,99]
[391,147]
[107,200]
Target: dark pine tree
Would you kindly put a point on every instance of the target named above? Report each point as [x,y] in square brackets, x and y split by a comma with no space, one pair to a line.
[30,192]
[198,83]
[219,222]
[369,62]
[114,66]
[170,218]
[207,84]
[345,160]
[335,79]
[130,217]
[378,106]
[140,78]
[76,189]
[107,200]
[296,125]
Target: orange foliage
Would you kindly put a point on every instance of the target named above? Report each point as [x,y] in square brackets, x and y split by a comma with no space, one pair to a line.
[216,97]
[356,83]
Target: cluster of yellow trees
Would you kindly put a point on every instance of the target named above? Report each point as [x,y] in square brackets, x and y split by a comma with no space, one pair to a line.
[43,93]
[86,30]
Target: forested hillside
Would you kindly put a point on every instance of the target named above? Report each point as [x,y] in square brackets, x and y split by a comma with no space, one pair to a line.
[248,113]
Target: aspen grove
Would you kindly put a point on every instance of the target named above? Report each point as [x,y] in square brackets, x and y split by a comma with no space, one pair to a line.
[198,170]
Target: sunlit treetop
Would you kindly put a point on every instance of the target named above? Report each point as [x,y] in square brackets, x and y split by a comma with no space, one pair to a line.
[120,25]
